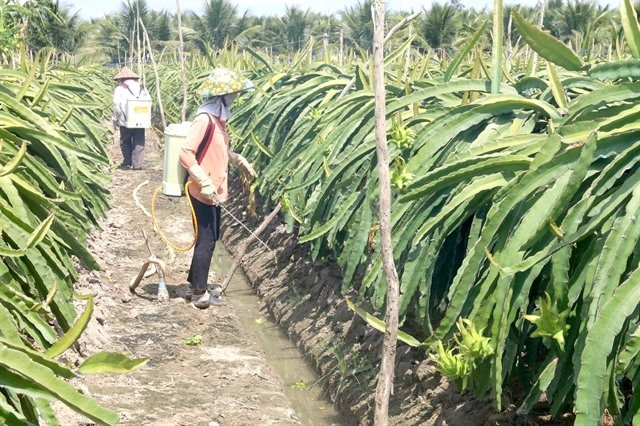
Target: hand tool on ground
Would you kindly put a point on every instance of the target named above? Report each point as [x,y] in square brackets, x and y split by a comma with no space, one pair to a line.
[163,294]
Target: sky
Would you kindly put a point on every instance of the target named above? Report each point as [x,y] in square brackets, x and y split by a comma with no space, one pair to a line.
[95,9]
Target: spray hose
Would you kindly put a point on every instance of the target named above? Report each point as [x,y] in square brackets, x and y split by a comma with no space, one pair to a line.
[193,218]
[195,221]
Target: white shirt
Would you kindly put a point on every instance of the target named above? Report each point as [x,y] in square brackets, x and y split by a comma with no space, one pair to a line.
[128,89]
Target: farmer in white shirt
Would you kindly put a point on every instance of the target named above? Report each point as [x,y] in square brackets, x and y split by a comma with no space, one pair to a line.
[131,140]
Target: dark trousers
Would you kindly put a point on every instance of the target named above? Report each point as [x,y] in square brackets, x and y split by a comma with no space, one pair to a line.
[208,233]
[132,146]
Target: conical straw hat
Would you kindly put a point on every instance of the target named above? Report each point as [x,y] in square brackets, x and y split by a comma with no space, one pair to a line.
[223,81]
[125,73]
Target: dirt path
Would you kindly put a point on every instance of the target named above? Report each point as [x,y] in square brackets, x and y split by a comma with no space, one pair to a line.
[225,380]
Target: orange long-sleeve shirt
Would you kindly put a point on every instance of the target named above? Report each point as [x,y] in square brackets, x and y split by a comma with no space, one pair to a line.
[215,162]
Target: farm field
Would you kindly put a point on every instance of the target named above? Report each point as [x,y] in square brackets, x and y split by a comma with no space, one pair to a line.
[513,156]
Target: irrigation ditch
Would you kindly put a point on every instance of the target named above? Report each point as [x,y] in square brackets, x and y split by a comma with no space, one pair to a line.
[304,298]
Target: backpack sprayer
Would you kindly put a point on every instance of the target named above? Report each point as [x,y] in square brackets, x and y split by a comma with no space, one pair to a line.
[175,184]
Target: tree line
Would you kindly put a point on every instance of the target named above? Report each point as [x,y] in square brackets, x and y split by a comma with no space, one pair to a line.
[442,28]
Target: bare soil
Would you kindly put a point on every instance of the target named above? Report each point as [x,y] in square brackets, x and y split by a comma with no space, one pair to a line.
[225,380]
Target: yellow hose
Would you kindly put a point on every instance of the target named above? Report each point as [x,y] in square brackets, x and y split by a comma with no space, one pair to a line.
[193,218]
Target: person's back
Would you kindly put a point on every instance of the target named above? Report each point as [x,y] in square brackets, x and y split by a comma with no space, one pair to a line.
[131,140]
[125,90]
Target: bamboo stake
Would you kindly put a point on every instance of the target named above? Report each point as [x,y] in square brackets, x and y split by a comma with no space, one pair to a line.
[183,71]
[155,71]
[384,388]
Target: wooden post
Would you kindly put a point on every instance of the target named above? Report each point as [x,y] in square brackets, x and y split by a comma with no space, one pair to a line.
[540,22]
[131,48]
[325,46]
[341,54]
[137,30]
[498,46]
[509,41]
[155,71]
[387,365]
[183,70]
[144,58]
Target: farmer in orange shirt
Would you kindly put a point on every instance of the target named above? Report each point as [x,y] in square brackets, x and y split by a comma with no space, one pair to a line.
[206,155]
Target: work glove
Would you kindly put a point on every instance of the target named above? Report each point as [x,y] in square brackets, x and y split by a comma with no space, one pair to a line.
[207,188]
[240,162]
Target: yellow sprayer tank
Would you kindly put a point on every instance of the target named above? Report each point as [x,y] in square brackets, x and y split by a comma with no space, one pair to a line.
[174,174]
[138,113]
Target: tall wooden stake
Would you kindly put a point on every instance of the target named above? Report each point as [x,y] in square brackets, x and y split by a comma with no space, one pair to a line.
[131,49]
[341,54]
[155,71]
[509,41]
[137,29]
[387,365]
[540,22]
[325,46]
[498,46]
[182,65]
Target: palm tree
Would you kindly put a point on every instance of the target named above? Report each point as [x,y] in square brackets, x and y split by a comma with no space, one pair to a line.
[53,25]
[129,13]
[11,14]
[440,26]
[358,24]
[265,32]
[220,22]
[574,17]
[321,24]
[295,23]
[160,26]
[112,38]
[553,9]
[116,33]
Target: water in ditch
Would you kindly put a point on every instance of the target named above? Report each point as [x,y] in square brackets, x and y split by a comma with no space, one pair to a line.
[297,376]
